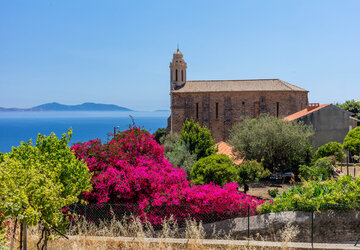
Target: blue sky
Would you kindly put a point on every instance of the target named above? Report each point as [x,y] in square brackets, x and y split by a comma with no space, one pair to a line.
[119,51]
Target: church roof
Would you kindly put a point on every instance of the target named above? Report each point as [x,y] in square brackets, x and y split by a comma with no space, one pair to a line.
[238,86]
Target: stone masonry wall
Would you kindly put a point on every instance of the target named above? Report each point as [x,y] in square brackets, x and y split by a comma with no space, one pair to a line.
[231,106]
[330,227]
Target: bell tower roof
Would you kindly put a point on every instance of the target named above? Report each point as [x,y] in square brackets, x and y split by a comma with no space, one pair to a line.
[177,70]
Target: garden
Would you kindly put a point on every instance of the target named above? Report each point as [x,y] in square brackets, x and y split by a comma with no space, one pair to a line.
[153,184]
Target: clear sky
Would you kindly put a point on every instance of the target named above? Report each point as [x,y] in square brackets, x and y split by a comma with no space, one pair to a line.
[119,52]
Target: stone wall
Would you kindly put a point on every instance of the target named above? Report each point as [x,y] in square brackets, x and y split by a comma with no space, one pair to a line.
[328,226]
[219,111]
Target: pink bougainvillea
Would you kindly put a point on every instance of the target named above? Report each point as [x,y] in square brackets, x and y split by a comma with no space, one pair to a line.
[132,170]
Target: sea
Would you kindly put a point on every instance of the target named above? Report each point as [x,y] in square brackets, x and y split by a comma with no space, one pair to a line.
[22,126]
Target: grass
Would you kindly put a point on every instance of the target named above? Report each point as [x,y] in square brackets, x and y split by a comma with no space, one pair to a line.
[131,233]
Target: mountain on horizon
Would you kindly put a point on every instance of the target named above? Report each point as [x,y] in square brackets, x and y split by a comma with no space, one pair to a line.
[87,106]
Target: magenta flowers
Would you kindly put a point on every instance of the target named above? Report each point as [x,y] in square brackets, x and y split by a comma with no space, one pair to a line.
[132,170]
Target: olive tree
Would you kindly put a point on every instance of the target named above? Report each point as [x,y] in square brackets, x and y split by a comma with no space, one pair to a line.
[38,181]
[281,145]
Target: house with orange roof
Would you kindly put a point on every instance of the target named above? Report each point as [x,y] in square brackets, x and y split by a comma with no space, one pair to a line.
[225,148]
[330,122]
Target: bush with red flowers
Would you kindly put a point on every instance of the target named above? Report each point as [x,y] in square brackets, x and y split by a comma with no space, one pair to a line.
[131,169]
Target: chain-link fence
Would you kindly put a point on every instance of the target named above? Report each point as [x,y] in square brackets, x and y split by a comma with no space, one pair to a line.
[155,214]
[333,224]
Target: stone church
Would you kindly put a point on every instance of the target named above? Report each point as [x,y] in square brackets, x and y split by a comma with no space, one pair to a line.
[219,104]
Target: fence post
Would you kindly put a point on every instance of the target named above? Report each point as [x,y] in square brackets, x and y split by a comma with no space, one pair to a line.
[248,221]
[354,170]
[312,228]
[347,164]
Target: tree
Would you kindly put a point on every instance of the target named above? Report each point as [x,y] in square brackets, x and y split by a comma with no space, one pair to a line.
[282,145]
[329,149]
[352,141]
[159,135]
[217,168]
[178,153]
[181,157]
[37,181]
[351,106]
[250,171]
[198,139]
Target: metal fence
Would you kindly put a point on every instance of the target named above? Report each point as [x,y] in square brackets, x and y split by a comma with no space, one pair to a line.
[334,224]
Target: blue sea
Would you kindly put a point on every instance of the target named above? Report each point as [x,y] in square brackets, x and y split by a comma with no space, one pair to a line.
[22,126]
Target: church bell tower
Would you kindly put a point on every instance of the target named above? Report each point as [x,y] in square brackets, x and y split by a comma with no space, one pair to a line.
[177,71]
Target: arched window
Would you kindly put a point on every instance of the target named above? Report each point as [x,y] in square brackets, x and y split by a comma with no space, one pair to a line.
[176,78]
[182,75]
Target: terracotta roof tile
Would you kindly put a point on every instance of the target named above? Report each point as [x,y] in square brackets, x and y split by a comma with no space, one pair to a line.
[226,149]
[304,112]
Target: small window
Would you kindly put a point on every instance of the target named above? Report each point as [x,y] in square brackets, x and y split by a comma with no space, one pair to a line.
[197,110]
[243,108]
[182,75]
[176,75]
[256,109]
[217,110]
[277,109]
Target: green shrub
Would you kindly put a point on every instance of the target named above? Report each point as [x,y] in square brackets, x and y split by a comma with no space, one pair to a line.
[282,145]
[273,192]
[159,135]
[329,149]
[342,194]
[198,139]
[250,171]
[181,157]
[178,153]
[218,169]
[352,141]
[322,169]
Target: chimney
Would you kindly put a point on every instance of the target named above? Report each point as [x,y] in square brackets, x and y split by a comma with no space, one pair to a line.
[312,106]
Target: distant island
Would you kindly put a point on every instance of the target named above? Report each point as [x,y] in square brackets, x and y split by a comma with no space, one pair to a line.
[87,106]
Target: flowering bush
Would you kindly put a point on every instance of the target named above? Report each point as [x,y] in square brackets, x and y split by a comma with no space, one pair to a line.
[132,170]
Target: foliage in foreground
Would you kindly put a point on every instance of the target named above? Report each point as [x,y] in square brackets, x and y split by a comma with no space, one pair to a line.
[132,169]
[352,141]
[37,181]
[218,169]
[330,149]
[250,171]
[322,169]
[282,145]
[342,194]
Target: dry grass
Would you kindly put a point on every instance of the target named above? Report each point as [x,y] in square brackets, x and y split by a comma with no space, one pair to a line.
[261,189]
[131,233]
